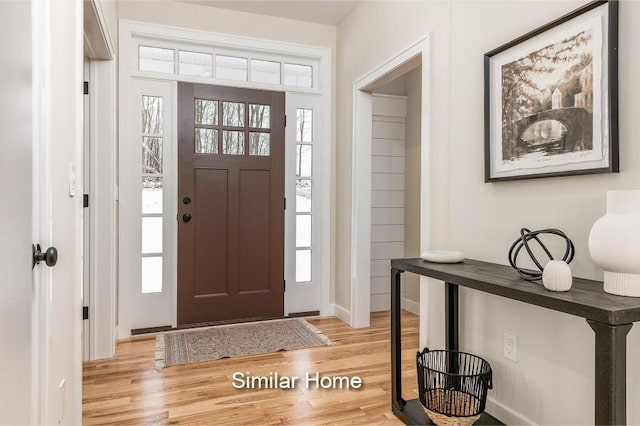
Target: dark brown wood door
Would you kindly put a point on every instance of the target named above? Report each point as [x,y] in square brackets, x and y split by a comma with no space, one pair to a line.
[230,203]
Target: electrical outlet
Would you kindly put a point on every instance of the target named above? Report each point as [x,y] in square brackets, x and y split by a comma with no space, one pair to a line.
[511,347]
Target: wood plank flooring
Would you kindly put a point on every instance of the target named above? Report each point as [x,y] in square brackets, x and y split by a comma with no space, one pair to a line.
[128,390]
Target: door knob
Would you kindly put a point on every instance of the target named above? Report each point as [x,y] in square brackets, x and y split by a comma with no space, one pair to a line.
[186,217]
[50,256]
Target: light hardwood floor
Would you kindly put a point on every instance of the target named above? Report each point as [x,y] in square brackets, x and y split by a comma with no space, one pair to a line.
[128,390]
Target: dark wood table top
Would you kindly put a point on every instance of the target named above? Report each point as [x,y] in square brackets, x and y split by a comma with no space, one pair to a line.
[586,298]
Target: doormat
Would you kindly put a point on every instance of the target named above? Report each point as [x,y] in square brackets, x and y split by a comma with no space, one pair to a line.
[229,341]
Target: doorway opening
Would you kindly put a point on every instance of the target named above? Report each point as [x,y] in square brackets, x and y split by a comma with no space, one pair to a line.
[390,179]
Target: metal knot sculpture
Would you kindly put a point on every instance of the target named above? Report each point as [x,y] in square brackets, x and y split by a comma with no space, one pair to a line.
[526,236]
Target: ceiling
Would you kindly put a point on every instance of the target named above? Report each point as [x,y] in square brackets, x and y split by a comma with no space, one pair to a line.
[328,12]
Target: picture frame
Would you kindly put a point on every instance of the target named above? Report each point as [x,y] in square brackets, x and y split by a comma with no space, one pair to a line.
[551,98]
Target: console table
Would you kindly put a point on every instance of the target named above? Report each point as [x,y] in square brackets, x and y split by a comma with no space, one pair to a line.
[610,317]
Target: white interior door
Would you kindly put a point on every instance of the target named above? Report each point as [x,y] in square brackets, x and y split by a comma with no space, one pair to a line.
[302,219]
[16,289]
[40,113]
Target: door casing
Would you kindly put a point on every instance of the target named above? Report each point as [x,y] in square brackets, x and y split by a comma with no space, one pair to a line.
[132,34]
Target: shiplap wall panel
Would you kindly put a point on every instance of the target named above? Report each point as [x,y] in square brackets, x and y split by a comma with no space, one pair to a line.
[380,268]
[387,250]
[380,302]
[389,106]
[388,130]
[387,233]
[387,216]
[387,199]
[384,164]
[380,285]
[388,147]
[387,193]
[387,181]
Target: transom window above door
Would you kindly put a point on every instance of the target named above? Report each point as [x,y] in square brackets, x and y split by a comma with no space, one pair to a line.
[225,67]
[231,128]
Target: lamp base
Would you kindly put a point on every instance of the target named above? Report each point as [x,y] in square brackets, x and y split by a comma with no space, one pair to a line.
[622,284]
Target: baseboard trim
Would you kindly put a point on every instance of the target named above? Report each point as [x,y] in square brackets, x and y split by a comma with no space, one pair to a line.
[342,314]
[505,414]
[411,306]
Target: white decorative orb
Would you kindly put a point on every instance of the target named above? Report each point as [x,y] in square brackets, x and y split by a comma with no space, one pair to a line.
[614,243]
[556,276]
[442,256]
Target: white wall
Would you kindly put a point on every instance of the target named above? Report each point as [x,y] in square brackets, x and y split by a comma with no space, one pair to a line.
[552,382]
[554,369]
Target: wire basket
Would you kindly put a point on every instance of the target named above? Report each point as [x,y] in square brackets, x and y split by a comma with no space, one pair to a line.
[453,386]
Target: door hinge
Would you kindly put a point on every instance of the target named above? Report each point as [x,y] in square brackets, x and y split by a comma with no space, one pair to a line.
[85,87]
[85,200]
[285,203]
[85,312]
[284,283]
[285,120]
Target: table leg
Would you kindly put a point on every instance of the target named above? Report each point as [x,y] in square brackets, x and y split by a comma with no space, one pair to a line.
[610,373]
[451,321]
[396,342]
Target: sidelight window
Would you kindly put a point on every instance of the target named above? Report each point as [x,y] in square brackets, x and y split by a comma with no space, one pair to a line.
[152,140]
[304,185]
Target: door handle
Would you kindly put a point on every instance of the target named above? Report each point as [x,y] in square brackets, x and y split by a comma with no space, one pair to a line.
[186,217]
[50,256]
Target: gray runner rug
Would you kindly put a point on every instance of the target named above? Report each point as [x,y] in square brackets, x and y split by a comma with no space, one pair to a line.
[228,341]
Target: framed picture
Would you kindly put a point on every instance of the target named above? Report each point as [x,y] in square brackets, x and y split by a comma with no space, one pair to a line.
[551,98]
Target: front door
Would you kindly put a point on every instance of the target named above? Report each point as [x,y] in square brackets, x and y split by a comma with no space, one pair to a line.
[230,204]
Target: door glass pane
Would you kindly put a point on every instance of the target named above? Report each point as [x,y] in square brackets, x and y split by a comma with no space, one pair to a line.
[152,274]
[151,155]
[196,64]
[151,195]
[206,141]
[304,124]
[233,143]
[298,75]
[151,235]
[303,195]
[206,112]
[259,143]
[303,265]
[303,230]
[303,160]
[259,116]
[231,68]
[265,71]
[233,114]
[156,59]
[152,115]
